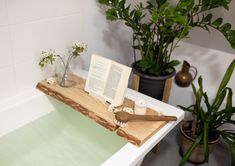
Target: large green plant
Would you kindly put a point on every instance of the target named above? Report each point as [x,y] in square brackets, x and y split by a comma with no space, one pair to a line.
[158,26]
[207,121]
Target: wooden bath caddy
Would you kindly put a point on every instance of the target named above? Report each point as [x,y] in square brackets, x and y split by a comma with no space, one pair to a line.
[137,132]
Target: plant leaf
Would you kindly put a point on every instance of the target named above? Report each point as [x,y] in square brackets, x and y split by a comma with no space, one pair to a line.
[226,27]
[217,22]
[219,100]
[229,102]
[207,18]
[111,14]
[231,38]
[103,2]
[154,16]
[226,77]
[186,108]
[207,101]
[173,63]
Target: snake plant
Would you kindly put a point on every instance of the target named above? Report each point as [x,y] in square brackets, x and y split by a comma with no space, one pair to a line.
[209,117]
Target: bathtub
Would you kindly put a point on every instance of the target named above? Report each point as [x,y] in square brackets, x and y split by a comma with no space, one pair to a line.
[38,130]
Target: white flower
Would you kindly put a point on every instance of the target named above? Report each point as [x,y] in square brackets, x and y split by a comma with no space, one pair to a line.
[51,80]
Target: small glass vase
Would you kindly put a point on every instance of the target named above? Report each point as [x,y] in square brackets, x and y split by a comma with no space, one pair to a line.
[64,75]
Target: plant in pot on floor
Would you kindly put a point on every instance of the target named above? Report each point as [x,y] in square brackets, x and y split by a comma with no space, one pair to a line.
[63,73]
[157,27]
[209,122]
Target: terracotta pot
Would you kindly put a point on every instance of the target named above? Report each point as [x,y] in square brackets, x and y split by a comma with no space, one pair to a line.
[152,86]
[186,142]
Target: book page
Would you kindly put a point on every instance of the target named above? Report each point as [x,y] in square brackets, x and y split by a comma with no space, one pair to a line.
[113,80]
[98,72]
[107,80]
[117,83]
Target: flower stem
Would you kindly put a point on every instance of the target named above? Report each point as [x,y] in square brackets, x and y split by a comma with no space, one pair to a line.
[63,80]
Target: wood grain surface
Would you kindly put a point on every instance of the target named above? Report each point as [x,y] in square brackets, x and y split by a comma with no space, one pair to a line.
[137,132]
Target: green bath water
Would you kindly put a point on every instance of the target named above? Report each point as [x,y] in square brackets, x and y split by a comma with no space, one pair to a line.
[61,138]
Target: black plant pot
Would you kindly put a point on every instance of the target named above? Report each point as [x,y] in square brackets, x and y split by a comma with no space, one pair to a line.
[152,86]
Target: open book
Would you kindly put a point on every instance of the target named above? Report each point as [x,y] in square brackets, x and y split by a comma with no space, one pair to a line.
[107,80]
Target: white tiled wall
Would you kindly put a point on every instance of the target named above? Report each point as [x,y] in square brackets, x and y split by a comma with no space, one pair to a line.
[26,28]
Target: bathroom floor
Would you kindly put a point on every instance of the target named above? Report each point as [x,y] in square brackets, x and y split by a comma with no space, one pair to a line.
[169,153]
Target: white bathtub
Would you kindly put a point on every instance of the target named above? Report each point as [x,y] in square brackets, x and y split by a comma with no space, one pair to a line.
[35,128]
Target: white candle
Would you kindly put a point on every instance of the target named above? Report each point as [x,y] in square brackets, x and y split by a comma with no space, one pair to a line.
[140,107]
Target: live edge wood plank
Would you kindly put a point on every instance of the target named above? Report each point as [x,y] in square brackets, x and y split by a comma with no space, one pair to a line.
[137,132]
[81,101]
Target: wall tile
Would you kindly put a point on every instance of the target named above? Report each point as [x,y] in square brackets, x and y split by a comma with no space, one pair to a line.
[27,75]
[31,10]
[7,83]
[30,39]
[3,13]
[5,48]
[112,40]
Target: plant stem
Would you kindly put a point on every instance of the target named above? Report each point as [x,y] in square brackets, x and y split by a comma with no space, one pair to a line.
[62,83]
[61,59]
[133,43]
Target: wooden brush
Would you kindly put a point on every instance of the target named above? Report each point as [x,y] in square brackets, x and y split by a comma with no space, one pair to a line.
[121,118]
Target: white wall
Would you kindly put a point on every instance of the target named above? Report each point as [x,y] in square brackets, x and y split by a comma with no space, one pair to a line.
[28,27]
[214,39]
[110,39]
[211,65]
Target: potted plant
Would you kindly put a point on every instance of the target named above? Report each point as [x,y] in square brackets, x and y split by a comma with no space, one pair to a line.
[63,73]
[208,121]
[157,27]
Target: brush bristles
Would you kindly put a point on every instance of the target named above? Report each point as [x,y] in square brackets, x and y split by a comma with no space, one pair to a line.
[121,124]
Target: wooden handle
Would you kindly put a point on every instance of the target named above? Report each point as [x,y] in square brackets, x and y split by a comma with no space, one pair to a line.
[154,118]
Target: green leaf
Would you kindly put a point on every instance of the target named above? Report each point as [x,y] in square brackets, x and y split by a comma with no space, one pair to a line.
[217,22]
[185,32]
[169,70]
[173,63]
[226,27]
[186,108]
[146,64]
[207,101]
[207,18]
[160,2]
[219,100]
[229,102]
[180,19]
[138,14]
[186,4]
[111,14]
[226,77]
[154,16]
[103,2]
[231,38]
[190,151]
